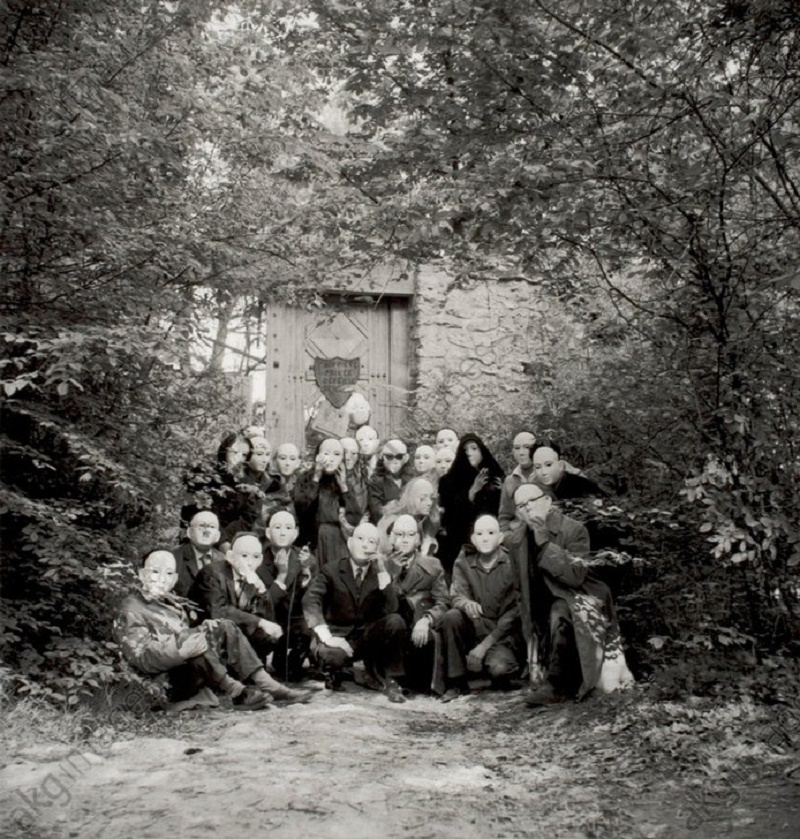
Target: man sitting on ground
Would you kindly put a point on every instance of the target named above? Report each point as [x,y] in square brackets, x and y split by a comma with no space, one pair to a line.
[233,590]
[286,572]
[482,631]
[154,630]
[424,600]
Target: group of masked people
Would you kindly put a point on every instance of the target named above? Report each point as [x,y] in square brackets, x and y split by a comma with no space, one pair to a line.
[424,570]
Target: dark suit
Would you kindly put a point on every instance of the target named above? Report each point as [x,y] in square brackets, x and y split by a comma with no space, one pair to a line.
[382,489]
[216,590]
[188,568]
[282,597]
[292,649]
[422,590]
[367,617]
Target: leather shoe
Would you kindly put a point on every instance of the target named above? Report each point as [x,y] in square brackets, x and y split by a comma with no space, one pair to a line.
[333,681]
[451,693]
[393,691]
[291,696]
[251,699]
[543,695]
[371,680]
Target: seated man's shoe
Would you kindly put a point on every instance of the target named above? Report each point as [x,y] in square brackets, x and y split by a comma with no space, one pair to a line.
[251,699]
[543,695]
[393,691]
[452,693]
[369,679]
[208,697]
[506,683]
[295,675]
[291,696]
[333,681]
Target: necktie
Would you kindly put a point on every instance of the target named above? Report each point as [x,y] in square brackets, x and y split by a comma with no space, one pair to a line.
[360,577]
[243,599]
[401,577]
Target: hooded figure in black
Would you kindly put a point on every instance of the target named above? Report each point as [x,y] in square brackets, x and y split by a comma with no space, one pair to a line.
[471,488]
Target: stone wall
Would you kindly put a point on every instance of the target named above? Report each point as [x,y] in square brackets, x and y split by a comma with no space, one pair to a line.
[482,351]
[476,344]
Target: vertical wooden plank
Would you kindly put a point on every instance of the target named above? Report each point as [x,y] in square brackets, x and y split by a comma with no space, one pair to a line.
[282,404]
[297,323]
[365,316]
[369,367]
[379,371]
[285,379]
[398,372]
[281,401]
[274,356]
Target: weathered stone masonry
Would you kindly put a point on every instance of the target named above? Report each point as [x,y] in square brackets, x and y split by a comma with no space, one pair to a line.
[473,341]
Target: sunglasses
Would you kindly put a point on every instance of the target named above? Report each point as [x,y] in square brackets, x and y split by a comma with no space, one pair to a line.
[388,456]
[525,503]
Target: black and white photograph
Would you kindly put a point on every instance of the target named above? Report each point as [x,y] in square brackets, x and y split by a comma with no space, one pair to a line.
[400,419]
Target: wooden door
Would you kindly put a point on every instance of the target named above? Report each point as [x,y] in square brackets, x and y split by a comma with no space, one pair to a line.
[370,337]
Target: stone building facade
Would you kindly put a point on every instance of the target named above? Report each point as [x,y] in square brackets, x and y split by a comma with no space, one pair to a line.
[475,342]
[431,348]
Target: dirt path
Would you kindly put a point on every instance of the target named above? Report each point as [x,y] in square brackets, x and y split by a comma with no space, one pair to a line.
[352,765]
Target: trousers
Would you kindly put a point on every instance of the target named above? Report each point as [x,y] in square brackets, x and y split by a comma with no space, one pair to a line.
[380,644]
[564,669]
[460,635]
[228,651]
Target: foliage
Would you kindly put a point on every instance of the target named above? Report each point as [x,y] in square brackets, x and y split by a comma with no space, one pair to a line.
[170,163]
[641,159]
[140,141]
[30,722]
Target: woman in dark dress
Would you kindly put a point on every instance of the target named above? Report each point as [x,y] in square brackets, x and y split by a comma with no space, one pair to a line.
[470,488]
[322,496]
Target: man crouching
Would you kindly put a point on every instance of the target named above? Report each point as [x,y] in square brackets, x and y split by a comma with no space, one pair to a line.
[351,605]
